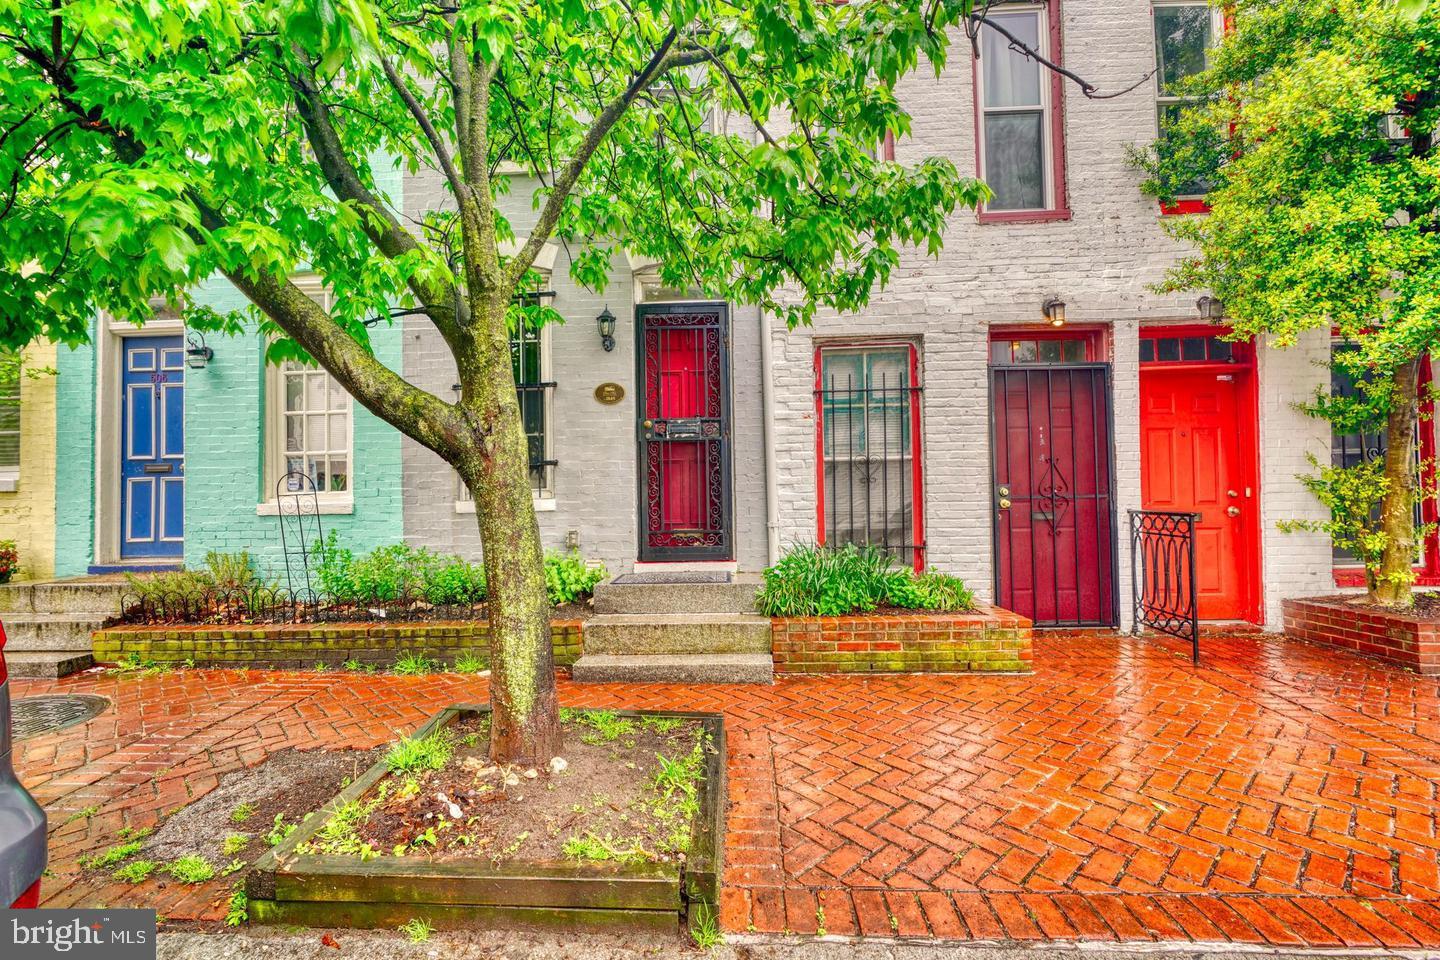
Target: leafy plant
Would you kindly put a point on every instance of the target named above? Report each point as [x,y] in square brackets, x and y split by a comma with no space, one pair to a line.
[414,755]
[190,869]
[470,663]
[569,578]
[112,856]
[412,664]
[340,835]
[279,830]
[811,581]
[589,846]
[454,580]
[9,560]
[242,812]
[608,726]
[136,871]
[417,929]
[704,927]
[238,910]
[662,725]
[234,843]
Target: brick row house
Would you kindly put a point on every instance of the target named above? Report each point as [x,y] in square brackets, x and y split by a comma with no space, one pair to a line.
[995,412]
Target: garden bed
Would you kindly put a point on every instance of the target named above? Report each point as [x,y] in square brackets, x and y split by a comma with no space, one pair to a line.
[1410,638]
[615,837]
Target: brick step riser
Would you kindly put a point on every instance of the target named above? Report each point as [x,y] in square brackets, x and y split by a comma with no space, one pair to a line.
[25,599]
[593,668]
[664,598]
[668,638]
[33,634]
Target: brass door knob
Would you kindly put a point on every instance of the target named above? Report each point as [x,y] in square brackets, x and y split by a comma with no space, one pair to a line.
[648,424]
[1004,503]
[1233,511]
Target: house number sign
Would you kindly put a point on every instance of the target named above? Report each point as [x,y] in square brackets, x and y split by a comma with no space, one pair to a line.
[609,394]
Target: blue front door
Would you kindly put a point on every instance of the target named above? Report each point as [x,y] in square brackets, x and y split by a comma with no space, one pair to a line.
[152,448]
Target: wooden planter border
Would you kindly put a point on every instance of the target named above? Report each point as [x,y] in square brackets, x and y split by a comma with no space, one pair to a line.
[286,886]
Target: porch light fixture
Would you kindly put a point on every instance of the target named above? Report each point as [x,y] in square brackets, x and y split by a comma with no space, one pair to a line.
[197,354]
[1210,308]
[606,323]
[1054,310]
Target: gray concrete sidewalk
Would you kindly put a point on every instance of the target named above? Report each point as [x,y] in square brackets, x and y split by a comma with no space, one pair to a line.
[495,945]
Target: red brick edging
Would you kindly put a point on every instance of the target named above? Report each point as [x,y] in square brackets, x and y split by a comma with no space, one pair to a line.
[1399,637]
[988,640]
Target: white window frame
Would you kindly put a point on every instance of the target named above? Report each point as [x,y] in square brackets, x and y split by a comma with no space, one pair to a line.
[10,472]
[1217,30]
[1041,11]
[328,501]
[543,499]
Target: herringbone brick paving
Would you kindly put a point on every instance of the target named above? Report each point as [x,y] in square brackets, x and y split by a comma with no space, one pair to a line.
[1280,793]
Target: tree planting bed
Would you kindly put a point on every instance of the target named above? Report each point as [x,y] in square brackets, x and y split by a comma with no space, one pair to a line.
[614,837]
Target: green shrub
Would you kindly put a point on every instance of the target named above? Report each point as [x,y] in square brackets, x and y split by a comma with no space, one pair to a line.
[453,580]
[568,578]
[230,573]
[414,755]
[816,581]
[191,869]
[9,560]
[396,572]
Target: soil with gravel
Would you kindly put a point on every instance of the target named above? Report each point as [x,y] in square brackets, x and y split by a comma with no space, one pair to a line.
[290,783]
[606,800]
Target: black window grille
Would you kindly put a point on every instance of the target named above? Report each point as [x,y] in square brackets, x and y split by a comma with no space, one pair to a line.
[534,392]
[868,405]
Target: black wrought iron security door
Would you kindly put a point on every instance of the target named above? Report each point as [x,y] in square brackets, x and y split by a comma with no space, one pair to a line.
[683,368]
[1052,493]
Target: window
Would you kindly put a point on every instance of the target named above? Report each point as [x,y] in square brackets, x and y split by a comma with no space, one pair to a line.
[1184,33]
[1186,349]
[1045,350]
[869,411]
[528,361]
[9,419]
[1016,96]
[311,429]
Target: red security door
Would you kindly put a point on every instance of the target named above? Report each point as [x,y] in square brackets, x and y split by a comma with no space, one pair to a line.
[1197,446]
[684,432]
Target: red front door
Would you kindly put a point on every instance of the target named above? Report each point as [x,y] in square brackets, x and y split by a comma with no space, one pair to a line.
[684,432]
[1196,448]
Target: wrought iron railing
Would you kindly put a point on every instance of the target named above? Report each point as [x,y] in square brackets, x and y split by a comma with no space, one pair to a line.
[1162,574]
[868,460]
[271,603]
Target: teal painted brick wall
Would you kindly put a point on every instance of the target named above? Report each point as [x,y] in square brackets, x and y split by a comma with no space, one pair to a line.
[225,447]
[74,458]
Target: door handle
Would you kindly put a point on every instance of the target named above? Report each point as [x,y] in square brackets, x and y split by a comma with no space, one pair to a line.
[1004,503]
[648,424]
[1232,511]
[1231,493]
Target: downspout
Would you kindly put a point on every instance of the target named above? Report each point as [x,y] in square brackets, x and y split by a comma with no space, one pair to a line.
[767,415]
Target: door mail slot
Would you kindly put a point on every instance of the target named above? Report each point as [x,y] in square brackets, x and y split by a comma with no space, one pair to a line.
[682,428]
[159,468]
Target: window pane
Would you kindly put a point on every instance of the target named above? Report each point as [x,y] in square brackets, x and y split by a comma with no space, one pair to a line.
[339,432]
[315,391]
[1182,35]
[1167,348]
[294,434]
[1049,351]
[9,449]
[1147,351]
[1192,348]
[1000,351]
[887,370]
[1010,78]
[1074,351]
[1024,351]
[1015,160]
[294,399]
[841,371]
[1219,349]
[339,474]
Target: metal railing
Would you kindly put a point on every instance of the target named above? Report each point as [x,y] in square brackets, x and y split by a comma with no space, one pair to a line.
[1162,574]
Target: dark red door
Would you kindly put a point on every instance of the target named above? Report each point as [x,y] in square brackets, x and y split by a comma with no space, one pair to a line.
[684,372]
[1192,461]
[1054,522]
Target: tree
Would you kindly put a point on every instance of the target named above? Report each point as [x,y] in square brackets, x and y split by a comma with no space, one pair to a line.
[1315,127]
[145,147]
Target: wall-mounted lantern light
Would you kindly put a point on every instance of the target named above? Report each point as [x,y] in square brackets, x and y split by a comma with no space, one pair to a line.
[1054,310]
[197,354]
[606,323]
[1210,308]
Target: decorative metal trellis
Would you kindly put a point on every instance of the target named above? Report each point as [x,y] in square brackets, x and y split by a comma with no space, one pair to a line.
[298,504]
[1162,574]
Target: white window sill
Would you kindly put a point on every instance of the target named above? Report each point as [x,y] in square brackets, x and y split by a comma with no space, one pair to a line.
[328,506]
[9,482]
[542,505]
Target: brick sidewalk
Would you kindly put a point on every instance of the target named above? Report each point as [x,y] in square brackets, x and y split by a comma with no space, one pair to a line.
[1280,794]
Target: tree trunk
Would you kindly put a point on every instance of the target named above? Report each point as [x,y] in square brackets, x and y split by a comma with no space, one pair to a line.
[1390,585]
[525,726]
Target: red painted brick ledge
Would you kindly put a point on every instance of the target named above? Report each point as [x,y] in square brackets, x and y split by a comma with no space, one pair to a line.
[989,640]
[1398,637]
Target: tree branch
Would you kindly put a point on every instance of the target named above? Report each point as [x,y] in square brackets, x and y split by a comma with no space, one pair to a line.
[1087,88]
[432,136]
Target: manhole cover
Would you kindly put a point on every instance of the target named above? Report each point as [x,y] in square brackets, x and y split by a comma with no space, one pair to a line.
[32,716]
[688,576]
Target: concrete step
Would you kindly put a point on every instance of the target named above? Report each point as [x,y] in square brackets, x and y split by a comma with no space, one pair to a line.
[63,596]
[677,633]
[620,596]
[55,631]
[706,668]
[47,664]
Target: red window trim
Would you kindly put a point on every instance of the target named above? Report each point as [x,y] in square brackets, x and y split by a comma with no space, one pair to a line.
[1192,205]
[1242,350]
[1427,571]
[1061,200]
[1096,336]
[917,496]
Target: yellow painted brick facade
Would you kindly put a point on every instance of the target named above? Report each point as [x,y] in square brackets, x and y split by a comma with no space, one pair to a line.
[27,515]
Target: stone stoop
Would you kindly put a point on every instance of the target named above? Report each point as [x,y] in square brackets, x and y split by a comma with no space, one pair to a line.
[676,628]
[48,624]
